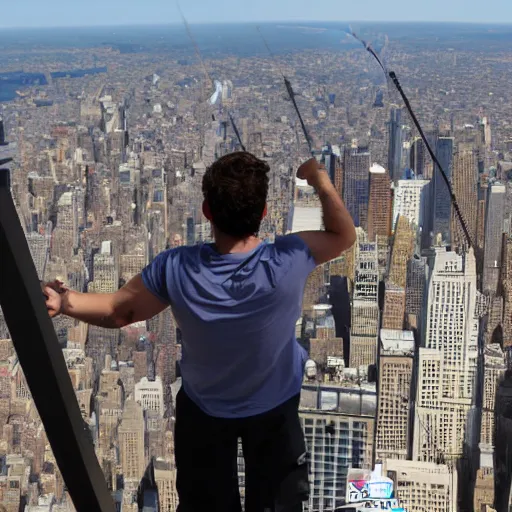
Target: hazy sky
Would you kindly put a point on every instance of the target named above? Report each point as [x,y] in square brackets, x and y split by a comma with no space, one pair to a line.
[52,13]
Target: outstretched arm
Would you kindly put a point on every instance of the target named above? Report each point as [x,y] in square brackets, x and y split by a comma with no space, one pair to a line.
[131,303]
[340,233]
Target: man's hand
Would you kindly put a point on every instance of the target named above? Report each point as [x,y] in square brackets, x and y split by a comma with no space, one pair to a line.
[54,294]
[310,171]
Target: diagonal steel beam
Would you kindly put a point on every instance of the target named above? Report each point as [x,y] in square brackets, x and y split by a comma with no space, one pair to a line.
[43,364]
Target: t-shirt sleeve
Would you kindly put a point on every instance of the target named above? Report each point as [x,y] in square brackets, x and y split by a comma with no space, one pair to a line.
[155,276]
[293,247]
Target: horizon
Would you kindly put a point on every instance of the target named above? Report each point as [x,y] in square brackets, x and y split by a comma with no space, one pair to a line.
[262,22]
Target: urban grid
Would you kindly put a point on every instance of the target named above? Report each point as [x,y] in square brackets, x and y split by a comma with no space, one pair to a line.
[409,333]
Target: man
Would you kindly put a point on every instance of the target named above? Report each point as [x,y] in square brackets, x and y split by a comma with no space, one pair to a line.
[236,302]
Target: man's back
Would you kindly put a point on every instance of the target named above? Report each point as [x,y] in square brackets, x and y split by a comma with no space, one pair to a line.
[237,313]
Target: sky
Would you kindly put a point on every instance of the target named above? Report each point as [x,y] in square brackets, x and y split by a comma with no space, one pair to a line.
[69,13]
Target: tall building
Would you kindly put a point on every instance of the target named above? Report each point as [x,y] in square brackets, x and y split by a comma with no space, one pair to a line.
[356,170]
[423,486]
[395,144]
[105,270]
[411,201]
[165,477]
[401,252]
[493,237]
[506,280]
[395,395]
[365,307]
[419,159]
[465,188]
[39,245]
[442,201]
[379,208]
[150,395]
[394,307]
[416,280]
[65,234]
[131,441]
[447,363]
[335,442]
[494,369]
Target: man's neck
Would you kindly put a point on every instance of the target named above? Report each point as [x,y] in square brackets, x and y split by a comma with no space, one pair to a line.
[226,244]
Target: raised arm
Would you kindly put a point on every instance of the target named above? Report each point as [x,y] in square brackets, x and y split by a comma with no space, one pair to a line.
[340,233]
[131,303]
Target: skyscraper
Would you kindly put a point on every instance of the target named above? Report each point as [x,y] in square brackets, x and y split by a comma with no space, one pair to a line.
[448,360]
[335,442]
[379,207]
[415,290]
[493,237]
[401,252]
[365,307]
[442,200]
[494,369]
[131,441]
[465,188]
[395,397]
[423,486]
[356,169]
[411,201]
[394,307]
[395,144]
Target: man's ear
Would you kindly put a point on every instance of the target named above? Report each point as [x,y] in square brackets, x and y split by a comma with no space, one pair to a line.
[264,212]
[206,210]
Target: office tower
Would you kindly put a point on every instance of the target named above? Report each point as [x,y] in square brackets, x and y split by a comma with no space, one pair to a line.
[419,158]
[395,395]
[105,270]
[314,289]
[401,252]
[506,281]
[131,441]
[483,499]
[465,188]
[442,199]
[150,395]
[335,442]
[493,237]
[379,207]
[39,245]
[503,443]
[365,307]
[108,408]
[165,477]
[394,307]
[411,201]
[65,234]
[338,179]
[448,360]
[494,370]
[415,290]
[423,486]
[395,144]
[356,170]
[130,265]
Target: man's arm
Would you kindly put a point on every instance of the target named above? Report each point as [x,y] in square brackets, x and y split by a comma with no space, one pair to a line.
[340,233]
[131,303]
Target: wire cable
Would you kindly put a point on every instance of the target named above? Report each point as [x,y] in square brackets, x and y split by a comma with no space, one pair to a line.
[291,94]
[205,69]
[394,79]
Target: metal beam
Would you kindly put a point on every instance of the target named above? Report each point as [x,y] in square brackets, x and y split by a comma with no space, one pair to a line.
[43,364]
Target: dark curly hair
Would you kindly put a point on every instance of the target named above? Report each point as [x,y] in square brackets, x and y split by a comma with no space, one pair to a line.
[235,188]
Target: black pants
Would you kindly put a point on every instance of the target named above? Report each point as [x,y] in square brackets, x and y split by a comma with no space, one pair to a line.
[276,473]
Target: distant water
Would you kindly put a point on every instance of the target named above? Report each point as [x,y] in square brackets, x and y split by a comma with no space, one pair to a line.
[243,40]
